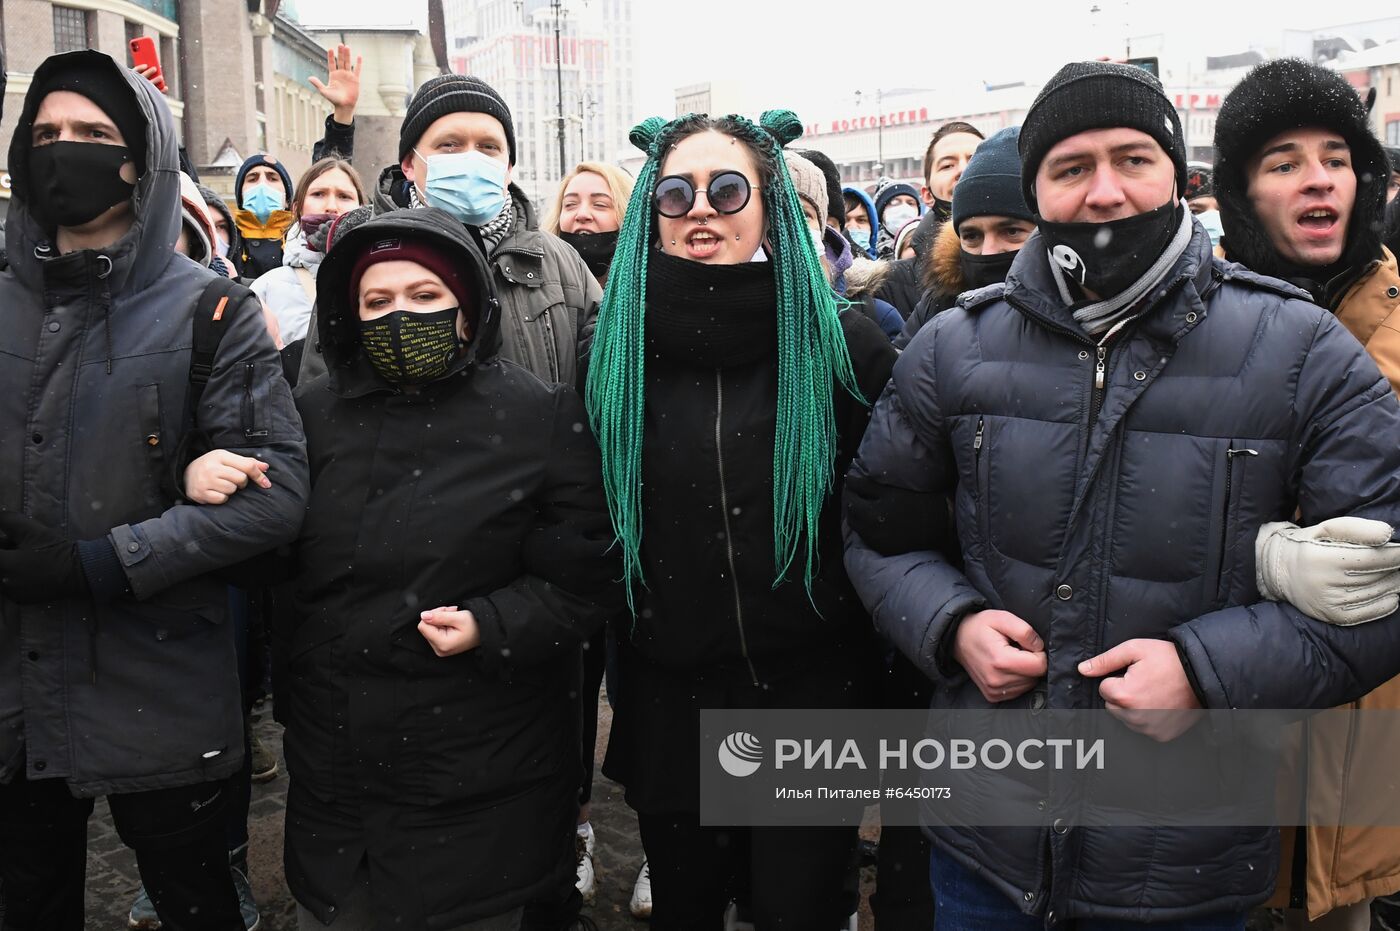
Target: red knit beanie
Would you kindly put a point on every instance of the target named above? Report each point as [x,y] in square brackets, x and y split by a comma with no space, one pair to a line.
[421,252]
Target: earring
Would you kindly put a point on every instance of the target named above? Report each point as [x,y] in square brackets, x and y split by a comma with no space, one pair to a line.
[673,242]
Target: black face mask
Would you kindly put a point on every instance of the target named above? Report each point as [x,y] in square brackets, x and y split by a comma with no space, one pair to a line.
[75,182]
[596,249]
[1106,258]
[943,209]
[409,349]
[982,270]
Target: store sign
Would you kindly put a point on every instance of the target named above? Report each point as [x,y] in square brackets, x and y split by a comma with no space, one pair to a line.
[869,121]
[1190,101]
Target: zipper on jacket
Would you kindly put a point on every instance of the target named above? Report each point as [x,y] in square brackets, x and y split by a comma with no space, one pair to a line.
[728,534]
[977,455]
[1101,371]
[550,349]
[250,430]
[1230,455]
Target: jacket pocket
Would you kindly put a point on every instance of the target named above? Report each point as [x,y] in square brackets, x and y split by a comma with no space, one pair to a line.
[157,485]
[254,404]
[981,457]
[1225,521]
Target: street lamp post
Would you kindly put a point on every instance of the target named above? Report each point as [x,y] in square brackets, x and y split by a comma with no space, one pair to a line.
[558,6]
[879,128]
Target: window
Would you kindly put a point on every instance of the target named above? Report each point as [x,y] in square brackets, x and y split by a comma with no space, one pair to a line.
[1392,132]
[69,29]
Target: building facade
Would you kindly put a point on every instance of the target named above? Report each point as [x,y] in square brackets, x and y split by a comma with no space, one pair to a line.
[586,94]
[236,71]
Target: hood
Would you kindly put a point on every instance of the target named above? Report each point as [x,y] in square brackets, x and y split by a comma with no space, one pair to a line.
[865,276]
[216,203]
[390,191]
[194,213]
[1280,95]
[838,255]
[297,254]
[350,371]
[253,161]
[139,258]
[869,212]
[940,268]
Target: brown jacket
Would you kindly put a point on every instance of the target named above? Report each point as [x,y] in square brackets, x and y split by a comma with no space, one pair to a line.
[1349,864]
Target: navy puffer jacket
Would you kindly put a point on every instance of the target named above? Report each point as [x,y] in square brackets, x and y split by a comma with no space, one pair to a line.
[1100,516]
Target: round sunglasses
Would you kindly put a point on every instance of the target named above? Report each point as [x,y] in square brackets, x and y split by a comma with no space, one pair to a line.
[729,192]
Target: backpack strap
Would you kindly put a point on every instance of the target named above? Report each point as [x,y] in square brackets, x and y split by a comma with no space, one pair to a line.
[212,315]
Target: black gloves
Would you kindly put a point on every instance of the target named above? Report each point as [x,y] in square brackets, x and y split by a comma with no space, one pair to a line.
[38,565]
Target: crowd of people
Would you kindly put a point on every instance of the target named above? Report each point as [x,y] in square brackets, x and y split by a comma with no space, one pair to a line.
[1075,424]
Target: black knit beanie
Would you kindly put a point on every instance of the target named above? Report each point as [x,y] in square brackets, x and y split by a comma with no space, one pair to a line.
[835,203]
[1086,95]
[1289,93]
[990,185]
[452,93]
[93,79]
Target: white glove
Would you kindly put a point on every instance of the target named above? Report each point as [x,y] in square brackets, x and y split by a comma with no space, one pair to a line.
[1343,571]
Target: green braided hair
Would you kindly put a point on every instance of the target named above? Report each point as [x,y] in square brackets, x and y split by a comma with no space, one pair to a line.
[812,350]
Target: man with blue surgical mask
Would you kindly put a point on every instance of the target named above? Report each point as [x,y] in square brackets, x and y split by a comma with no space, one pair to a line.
[264,215]
[457,153]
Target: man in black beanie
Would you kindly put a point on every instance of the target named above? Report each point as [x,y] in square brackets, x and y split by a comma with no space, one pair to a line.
[1113,424]
[457,153]
[1302,183]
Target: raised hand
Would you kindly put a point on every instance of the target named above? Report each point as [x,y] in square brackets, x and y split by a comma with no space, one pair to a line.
[342,84]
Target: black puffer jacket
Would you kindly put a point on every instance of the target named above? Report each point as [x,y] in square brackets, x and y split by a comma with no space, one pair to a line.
[1102,516]
[456,776]
[710,625]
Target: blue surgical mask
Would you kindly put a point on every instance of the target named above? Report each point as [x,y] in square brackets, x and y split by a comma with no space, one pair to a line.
[1210,219]
[262,199]
[861,238]
[469,185]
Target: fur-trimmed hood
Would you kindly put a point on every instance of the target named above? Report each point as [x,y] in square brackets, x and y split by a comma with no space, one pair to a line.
[1276,96]
[865,277]
[941,271]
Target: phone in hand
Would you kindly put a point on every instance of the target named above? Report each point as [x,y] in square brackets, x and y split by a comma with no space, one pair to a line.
[1150,65]
[144,55]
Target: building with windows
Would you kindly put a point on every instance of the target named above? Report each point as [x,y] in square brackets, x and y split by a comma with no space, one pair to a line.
[510,44]
[236,71]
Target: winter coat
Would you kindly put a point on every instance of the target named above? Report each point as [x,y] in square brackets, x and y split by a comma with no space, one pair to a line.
[549,299]
[711,630]
[456,776]
[1064,496]
[943,281]
[282,289]
[901,286]
[262,242]
[1345,865]
[140,692]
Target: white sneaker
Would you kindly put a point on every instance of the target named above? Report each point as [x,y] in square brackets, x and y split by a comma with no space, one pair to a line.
[586,883]
[641,893]
[853,923]
[732,922]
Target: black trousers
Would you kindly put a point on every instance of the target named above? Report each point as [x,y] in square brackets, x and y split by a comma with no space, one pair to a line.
[595,656]
[178,836]
[794,876]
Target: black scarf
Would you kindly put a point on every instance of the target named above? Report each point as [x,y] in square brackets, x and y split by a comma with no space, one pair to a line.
[711,315]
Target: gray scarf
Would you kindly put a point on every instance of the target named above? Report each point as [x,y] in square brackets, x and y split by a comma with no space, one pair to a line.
[1099,317]
[493,232]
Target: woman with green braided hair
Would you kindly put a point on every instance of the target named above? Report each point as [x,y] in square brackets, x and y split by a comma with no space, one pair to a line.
[728,393]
